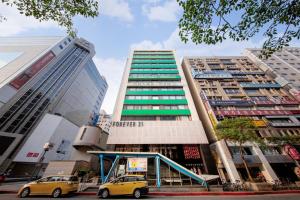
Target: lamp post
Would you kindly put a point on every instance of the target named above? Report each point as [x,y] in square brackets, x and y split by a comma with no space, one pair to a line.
[47,146]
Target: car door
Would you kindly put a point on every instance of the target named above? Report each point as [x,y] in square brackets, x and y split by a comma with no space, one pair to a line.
[38,186]
[117,187]
[51,184]
[129,184]
[42,186]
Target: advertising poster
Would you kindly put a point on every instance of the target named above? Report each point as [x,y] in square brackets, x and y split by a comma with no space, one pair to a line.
[136,164]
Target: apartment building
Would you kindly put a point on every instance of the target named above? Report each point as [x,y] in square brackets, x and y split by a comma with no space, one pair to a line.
[236,87]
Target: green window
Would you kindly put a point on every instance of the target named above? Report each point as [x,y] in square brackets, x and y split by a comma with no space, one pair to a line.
[184,112]
[156,101]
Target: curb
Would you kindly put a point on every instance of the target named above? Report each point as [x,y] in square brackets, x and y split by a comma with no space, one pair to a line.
[188,193]
[8,192]
[209,193]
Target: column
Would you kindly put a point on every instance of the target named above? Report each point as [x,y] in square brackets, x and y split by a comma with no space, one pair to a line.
[101,168]
[157,161]
[227,160]
[267,170]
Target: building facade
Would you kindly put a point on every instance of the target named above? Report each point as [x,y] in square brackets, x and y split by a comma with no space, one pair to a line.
[104,121]
[284,64]
[42,75]
[154,112]
[236,87]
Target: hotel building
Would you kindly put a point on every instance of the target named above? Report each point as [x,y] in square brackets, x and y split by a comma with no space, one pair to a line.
[154,112]
[236,87]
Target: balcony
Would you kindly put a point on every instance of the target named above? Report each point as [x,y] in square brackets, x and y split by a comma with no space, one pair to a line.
[171,61]
[260,85]
[155,102]
[155,92]
[154,84]
[154,66]
[285,124]
[157,71]
[230,103]
[279,158]
[181,112]
[250,159]
[159,77]
[211,75]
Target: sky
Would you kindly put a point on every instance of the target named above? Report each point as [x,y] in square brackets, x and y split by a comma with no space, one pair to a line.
[123,25]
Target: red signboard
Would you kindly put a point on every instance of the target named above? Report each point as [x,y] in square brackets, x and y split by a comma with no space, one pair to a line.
[32,70]
[292,151]
[32,155]
[297,112]
[191,152]
[252,112]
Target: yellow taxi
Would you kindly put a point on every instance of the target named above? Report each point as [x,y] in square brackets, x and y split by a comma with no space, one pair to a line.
[135,185]
[52,185]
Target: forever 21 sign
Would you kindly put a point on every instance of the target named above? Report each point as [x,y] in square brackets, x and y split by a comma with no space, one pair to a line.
[127,124]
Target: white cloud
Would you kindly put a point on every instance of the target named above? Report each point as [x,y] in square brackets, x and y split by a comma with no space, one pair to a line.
[226,48]
[147,44]
[112,69]
[116,8]
[17,23]
[167,12]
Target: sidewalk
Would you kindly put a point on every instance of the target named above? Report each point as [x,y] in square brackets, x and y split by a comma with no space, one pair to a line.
[12,188]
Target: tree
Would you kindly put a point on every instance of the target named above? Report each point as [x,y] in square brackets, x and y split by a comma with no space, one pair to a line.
[60,11]
[239,131]
[282,140]
[212,21]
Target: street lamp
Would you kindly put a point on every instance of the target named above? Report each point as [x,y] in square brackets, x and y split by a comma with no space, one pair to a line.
[47,146]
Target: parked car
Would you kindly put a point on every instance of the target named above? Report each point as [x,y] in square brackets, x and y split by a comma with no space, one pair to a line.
[135,185]
[52,185]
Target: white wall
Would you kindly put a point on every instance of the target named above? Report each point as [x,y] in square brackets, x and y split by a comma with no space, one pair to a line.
[53,129]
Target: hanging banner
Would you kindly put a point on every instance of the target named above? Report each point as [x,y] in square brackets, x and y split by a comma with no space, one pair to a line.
[137,165]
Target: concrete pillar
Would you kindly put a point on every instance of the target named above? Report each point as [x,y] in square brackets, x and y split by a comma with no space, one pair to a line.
[227,161]
[157,162]
[267,170]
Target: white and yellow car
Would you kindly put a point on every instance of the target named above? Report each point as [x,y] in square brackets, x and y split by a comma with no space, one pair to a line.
[52,185]
[135,185]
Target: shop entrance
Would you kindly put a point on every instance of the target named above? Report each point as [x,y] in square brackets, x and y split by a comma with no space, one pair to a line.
[285,172]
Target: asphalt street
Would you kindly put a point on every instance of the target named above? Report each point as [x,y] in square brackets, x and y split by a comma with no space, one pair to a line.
[253,197]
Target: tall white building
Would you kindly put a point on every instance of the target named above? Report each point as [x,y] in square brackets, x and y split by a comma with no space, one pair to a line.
[285,64]
[40,75]
[154,112]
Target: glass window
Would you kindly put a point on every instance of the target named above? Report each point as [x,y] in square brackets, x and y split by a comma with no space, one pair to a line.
[5,142]
[130,179]
[140,178]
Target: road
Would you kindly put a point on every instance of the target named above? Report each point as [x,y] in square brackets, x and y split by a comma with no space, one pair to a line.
[254,197]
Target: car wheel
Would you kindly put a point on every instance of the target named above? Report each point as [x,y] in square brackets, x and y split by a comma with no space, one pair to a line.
[25,192]
[137,193]
[56,193]
[104,194]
